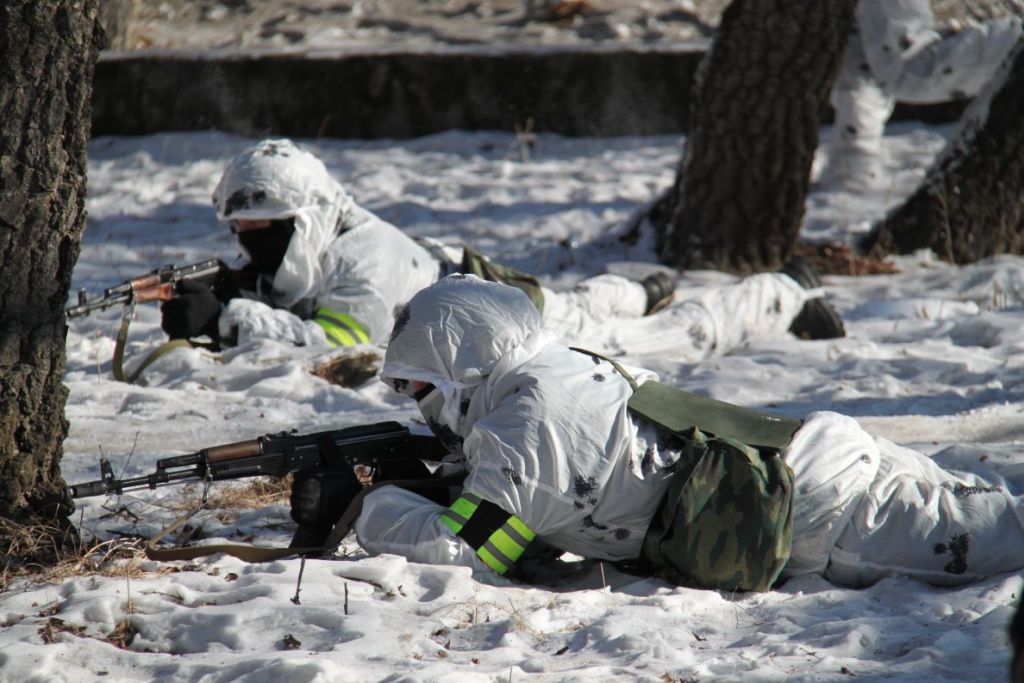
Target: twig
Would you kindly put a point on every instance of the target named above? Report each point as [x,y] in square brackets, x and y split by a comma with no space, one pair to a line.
[525,139]
[298,585]
[131,452]
[129,608]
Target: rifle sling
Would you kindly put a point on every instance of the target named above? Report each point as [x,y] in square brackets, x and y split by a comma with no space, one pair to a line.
[254,553]
[117,362]
[676,411]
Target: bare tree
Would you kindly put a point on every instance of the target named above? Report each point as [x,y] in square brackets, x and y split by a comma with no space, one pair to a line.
[48,50]
[738,199]
[969,205]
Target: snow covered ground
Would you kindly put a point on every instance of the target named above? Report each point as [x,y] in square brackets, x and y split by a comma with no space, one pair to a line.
[932,360]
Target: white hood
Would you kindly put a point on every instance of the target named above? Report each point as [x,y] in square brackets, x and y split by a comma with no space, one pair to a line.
[275,179]
[457,333]
[545,431]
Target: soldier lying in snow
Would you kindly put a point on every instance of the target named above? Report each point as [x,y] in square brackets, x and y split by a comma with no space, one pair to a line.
[332,273]
[576,451]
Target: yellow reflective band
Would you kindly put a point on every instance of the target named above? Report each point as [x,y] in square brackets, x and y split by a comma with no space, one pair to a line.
[491,561]
[524,531]
[464,507]
[456,527]
[341,329]
[336,337]
[459,512]
[503,546]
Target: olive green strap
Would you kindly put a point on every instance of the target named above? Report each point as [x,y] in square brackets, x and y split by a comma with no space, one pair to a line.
[117,362]
[677,410]
[247,553]
[475,263]
[618,368]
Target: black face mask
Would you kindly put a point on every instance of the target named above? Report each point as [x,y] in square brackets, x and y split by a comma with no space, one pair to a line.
[266,246]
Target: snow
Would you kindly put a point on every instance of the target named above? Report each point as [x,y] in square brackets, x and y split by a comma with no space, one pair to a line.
[933,359]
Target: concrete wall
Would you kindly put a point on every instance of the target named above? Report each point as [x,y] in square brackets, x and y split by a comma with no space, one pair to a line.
[573,91]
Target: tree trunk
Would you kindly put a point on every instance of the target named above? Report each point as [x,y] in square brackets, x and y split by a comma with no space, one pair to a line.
[48,50]
[969,205]
[738,199]
[117,17]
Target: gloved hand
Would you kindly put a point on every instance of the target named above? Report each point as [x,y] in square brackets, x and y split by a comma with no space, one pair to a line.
[318,500]
[192,312]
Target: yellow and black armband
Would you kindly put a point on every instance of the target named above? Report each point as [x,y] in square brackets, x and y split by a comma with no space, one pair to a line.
[341,329]
[498,537]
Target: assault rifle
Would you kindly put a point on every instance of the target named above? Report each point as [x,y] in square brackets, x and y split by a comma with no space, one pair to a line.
[161,285]
[388,448]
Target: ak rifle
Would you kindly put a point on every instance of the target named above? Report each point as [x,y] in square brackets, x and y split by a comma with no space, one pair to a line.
[160,284]
[389,449]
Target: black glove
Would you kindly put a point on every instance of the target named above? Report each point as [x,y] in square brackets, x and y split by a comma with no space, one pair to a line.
[318,500]
[192,312]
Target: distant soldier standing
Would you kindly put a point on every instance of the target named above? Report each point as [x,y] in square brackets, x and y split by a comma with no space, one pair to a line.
[895,53]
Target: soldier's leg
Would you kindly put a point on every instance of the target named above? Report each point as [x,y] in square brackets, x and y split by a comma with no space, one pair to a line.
[586,310]
[758,307]
[833,461]
[921,520]
[855,158]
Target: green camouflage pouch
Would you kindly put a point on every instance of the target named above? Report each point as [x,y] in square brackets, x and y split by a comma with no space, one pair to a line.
[726,521]
[475,263]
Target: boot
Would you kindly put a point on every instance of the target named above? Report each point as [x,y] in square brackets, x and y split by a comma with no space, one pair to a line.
[661,289]
[817,319]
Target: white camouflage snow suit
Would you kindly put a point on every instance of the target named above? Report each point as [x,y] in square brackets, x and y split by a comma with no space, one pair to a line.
[335,285]
[346,272]
[895,54]
[553,453]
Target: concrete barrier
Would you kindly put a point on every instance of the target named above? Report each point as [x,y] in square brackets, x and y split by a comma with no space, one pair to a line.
[576,91]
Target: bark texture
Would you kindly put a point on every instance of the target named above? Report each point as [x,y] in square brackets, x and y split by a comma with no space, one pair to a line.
[969,205]
[738,199]
[48,50]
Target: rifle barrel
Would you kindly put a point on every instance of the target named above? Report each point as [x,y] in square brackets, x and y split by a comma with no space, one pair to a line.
[273,455]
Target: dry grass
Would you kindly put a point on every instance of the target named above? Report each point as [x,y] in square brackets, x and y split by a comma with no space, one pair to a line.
[43,553]
[253,494]
[36,551]
[841,259]
[349,369]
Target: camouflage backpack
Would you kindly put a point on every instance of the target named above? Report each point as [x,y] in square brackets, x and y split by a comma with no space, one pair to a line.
[475,263]
[726,521]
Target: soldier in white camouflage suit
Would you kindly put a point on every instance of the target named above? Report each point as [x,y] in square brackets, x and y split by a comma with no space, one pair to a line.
[895,53]
[332,273]
[555,453]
